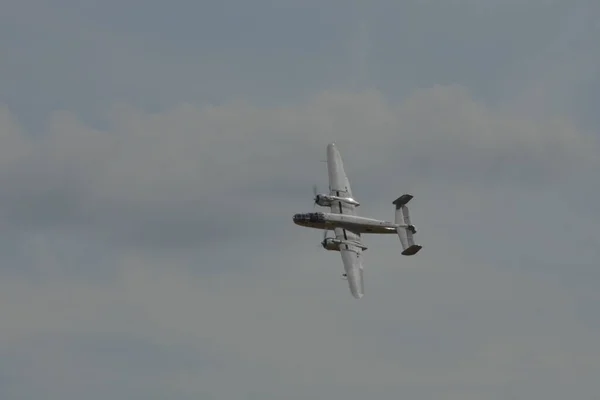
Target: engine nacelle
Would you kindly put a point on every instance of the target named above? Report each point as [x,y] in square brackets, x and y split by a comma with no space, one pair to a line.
[334,244]
[325,200]
[331,244]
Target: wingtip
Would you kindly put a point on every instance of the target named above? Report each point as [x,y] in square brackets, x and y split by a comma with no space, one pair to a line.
[357,294]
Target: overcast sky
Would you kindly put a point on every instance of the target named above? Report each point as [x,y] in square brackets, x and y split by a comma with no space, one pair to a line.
[152,155]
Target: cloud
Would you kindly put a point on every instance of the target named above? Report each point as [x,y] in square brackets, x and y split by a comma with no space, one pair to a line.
[167,172]
[161,258]
[150,165]
[554,78]
[86,57]
[284,325]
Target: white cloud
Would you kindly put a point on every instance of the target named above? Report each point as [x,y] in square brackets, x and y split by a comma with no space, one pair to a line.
[167,168]
[287,322]
[152,254]
[262,309]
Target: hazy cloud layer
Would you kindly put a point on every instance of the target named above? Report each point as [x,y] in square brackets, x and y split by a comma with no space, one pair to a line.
[148,179]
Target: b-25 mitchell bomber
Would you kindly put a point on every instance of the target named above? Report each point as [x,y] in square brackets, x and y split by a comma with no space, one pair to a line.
[348,226]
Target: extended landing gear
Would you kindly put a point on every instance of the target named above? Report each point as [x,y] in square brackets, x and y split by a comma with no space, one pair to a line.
[345,277]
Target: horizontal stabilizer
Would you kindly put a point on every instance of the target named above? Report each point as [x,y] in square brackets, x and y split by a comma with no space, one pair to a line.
[406,230]
[412,250]
[402,200]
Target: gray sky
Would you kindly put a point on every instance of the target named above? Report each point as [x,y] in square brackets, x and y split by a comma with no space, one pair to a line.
[153,153]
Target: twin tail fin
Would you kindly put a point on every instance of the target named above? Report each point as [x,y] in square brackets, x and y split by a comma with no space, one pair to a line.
[405,228]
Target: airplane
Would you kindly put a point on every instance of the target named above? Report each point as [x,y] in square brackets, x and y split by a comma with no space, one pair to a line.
[348,226]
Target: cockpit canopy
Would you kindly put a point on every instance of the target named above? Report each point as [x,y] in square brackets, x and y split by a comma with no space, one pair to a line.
[310,217]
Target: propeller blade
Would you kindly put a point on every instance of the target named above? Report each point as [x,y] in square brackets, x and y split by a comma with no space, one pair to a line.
[323,242]
[324,238]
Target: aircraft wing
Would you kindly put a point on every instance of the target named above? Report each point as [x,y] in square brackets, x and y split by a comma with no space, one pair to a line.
[338,181]
[339,185]
[352,259]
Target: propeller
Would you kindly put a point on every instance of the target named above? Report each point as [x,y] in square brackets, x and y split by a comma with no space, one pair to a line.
[315,193]
[315,190]
[323,243]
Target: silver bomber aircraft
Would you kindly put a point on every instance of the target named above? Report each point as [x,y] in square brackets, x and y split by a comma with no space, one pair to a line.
[348,226]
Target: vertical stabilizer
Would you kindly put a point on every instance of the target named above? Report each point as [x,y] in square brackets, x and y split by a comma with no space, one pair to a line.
[405,229]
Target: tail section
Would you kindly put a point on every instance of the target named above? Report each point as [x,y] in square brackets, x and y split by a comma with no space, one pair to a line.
[405,228]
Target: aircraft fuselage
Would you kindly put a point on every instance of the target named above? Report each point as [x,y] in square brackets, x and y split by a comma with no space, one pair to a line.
[328,221]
